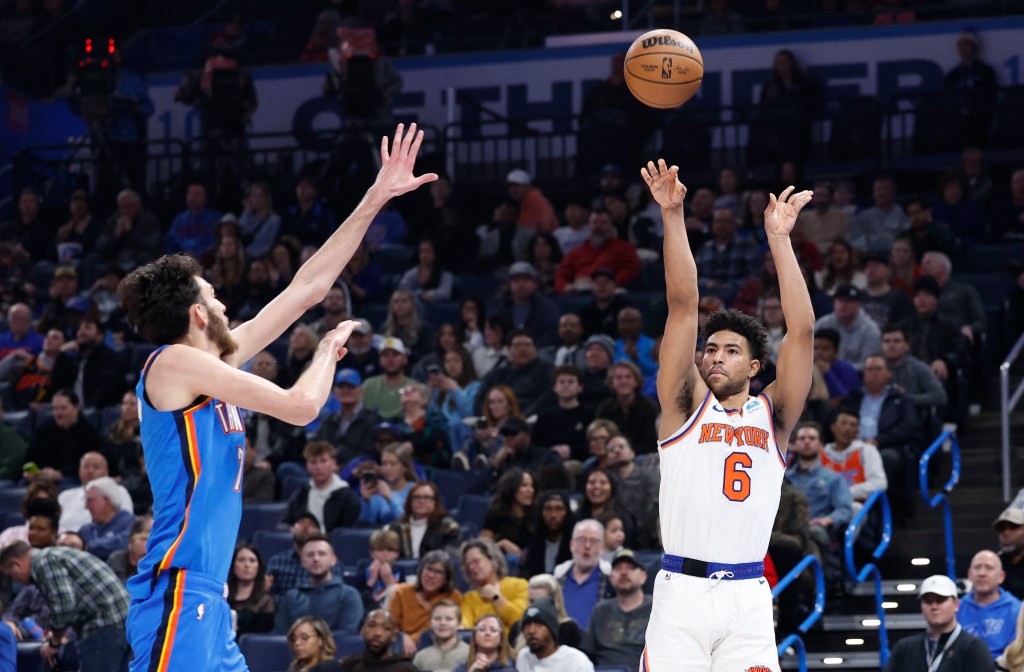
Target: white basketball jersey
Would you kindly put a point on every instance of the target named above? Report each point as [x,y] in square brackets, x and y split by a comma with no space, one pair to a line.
[721,477]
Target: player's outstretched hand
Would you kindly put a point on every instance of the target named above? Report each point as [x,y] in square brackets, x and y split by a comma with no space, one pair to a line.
[780,215]
[336,338]
[397,162]
[664,184]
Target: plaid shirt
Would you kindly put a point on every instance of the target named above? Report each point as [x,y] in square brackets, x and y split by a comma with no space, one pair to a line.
[82,590]
[739,260]
[288,572]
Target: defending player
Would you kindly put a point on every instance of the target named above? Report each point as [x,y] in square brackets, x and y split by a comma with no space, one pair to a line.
[722,454]
[193,436]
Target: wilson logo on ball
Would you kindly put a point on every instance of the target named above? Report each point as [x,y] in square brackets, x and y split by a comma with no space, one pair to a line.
[664,41]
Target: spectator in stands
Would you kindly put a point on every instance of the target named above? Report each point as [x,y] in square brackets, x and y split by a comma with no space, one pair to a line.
[570,347]
[327,497]
[83,593]
[974,83]
[911,376]
[904,266]
[66,305]
[309,221]
[425,525]
[633,345]
[258,482]
[518,451]
[191,231]
[132,234]
[122,440]
[887,419]
[976,180]
[925,234]
[111,525]
[959,302]
[410,603]
[27,232]
[822,223]
[511,518]
[35,377]
[535,210]
[916,653]
[448,649]
[562,426]
[584,578]
[550,546]
[858,461]
[59,443]
[427,432]
[601,488]
[363,276]
[598,352]
[640,482]
[502,240]
[348,429]
[544,253]
[842,267]
[748,298]
[405,322]
[427,281]
[1010,528]
[840,375]
[632,412]
[600,315]
[379,632]
[12,450]
[828,495]
[101,375]
[602,250]
[383,491]
[500,403]
[361,356]
[987,611]
[1012,659]
[525,306]
[494,591]
[493,346]
[259,223]
[524,373]
[881,301]
[933,338]
[859,335]
[381,576]
[726,260]
[1007,214]
[488,648]
[334,309]
[19,334]
[877,227]
[543,650]
[545,589]
[575,231]
[74,511]
[721,20]
[325,596]
[125,561]
[382,393]
[312,646]
[615,634]
[453,387]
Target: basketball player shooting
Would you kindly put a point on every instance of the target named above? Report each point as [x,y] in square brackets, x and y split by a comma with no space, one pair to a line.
[193,436]
[722,453]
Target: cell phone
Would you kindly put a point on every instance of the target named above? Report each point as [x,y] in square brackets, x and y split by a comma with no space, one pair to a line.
[30,468]
[481,422]
[369,477]
[433,370]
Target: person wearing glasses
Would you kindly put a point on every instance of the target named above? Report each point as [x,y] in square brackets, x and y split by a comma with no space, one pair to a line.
[584,579]
[312,646]
[494,591]
[411,603]
[488,649]
[425,524]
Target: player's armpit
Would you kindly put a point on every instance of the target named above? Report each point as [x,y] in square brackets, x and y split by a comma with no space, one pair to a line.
[679,381]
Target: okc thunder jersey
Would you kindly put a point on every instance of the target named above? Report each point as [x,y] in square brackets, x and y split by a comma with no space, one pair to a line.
[721,477]
[194,458]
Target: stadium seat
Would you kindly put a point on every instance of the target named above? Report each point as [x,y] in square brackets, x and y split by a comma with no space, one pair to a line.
[442,312]
[452,485]
[1007,132]
[260,517]
[473,511]
[22,421]
[351,544]
[29,659]
[10,499]
[271,542]
[996,258]
[376,313]
[405,567]
[10,519]
[395,259]
[348,644]
[290,484]
[108,416]
[265,653]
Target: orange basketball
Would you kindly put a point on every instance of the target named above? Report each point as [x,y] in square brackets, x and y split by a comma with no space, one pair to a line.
[663,68]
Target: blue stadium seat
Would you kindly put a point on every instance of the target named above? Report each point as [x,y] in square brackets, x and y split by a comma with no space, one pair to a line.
[406,567]
[441,312]
[22,421]
[10,519]
[271,542]
[995,258]
[260,517]
[10,499]
[108,416]
[452,485]
[473,511]
[29,659]
[265,653]
[348,644]
[351,544]
[394,260]
[290,484]
[376,313]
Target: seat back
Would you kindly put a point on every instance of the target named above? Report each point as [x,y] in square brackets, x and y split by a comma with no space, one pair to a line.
[265,653]
[351,544]
[260,517]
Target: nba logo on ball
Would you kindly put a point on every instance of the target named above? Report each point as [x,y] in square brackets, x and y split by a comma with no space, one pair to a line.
[663,68]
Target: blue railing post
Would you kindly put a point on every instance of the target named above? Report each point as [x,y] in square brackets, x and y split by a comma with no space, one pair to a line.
[941,498]
[794,639]
[870,570]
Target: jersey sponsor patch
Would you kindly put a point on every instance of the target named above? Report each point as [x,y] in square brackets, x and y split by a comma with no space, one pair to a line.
[752,405]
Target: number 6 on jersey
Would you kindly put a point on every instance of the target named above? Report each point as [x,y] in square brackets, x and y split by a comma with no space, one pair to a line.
[736,483]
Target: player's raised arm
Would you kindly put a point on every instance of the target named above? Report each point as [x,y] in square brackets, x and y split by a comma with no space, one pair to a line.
[677,374]
[316,276]
[796,354]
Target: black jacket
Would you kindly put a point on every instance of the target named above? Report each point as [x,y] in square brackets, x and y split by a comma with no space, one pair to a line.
[966,654]
[444,535]
[898,424]
[637,423]
[103,375]
[341,509]
[354,442]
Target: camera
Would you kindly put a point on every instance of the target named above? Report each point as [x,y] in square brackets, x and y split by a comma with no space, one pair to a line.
[93,81]
[369,477]
[481,422]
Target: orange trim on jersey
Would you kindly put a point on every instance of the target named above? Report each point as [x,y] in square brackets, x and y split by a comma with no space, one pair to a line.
[172,623]
[771,423]
[645,662]
[688,427]
[195,467]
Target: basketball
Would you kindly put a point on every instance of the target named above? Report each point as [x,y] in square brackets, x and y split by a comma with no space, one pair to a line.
[663,68]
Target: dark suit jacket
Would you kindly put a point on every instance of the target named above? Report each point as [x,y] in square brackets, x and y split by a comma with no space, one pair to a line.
[356,441]
[898,424]
[340,510]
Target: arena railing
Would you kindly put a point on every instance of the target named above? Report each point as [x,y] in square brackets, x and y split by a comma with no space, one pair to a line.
[794,639]
[1007,403]
[947,439]
[870,570]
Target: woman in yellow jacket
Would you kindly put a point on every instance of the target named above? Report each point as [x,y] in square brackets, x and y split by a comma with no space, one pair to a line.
[494,591]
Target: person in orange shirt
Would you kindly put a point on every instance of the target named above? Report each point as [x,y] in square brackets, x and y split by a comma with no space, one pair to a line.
[535,210]
[859,462]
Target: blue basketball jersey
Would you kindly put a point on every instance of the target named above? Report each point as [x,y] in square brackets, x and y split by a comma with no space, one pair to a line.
[194,458]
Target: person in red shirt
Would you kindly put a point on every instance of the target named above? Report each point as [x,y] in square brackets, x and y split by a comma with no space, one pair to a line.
[535,210]
[602,250]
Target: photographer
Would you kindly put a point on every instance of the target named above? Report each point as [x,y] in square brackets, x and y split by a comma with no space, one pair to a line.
[363,76]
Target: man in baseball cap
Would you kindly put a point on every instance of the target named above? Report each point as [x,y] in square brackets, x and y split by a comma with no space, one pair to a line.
[535,210]
[381,392]
[1010,528]
[617,629]
[944,639]
[859,336]
[542,651]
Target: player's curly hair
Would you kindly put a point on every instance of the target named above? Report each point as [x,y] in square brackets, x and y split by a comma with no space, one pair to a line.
[745,325]
[156,298]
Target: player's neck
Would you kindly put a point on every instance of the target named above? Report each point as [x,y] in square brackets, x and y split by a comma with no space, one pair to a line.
[197,338]
[734,400]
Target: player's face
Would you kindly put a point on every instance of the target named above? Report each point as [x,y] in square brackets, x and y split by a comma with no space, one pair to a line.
[246,565]
[727,364]
[305,643]
[444,623]
[939,611]
[217,325]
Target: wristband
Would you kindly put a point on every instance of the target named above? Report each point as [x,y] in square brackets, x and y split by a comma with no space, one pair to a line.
[496,597]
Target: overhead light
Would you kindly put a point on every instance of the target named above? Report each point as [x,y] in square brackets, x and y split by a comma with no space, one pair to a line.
[871,622]
[906,587]
[835,660]
[616,15]
[854,641]
[920,562]
[890,605]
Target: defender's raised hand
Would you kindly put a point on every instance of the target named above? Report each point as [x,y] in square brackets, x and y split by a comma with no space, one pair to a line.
[396,164]
[780,215]
[664,184]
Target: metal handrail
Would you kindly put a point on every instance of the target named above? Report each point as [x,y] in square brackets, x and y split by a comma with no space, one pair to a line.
[794,639]
[870,570]
[1008,403]
[940,498]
